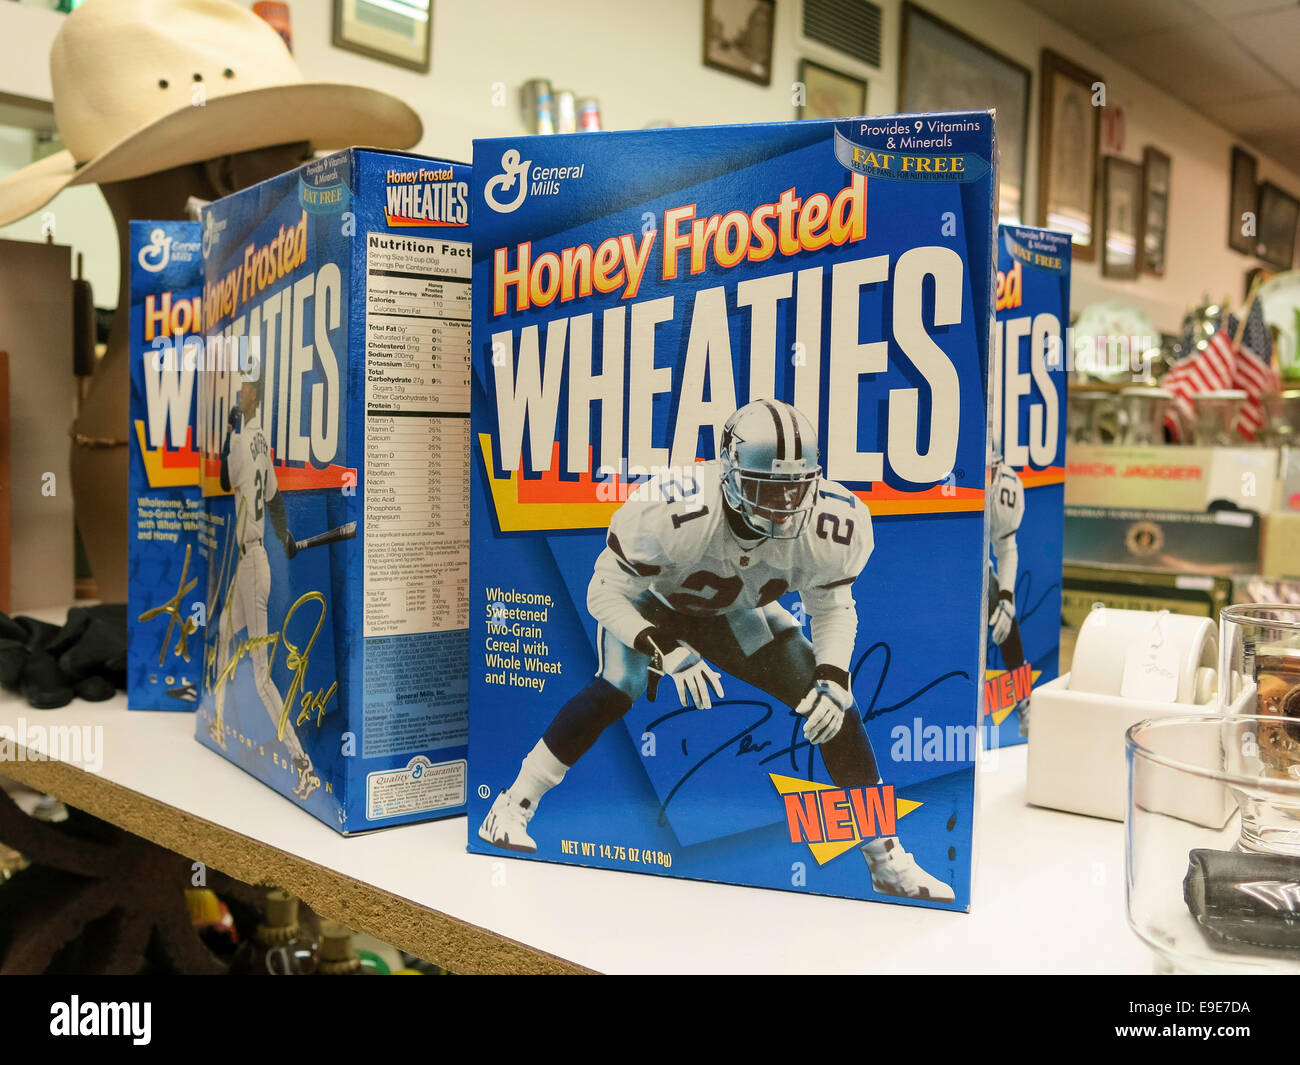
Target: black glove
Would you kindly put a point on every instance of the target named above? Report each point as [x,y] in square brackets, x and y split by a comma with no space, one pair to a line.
[1243,901]
[92,644]
[13,651]
[236,419]
[50,665]
[653,641]
[290,545]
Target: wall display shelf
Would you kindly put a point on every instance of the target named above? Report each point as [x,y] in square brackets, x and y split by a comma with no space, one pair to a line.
[1049,887]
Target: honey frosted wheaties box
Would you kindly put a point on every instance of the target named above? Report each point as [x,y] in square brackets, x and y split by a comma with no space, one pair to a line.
[166,575]
[728,577]
[1027,478]
[333,427]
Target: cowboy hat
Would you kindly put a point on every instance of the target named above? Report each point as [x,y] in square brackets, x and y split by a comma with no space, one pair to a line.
[141,86]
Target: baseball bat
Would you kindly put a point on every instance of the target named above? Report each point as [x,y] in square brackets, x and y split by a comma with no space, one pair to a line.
[342,532]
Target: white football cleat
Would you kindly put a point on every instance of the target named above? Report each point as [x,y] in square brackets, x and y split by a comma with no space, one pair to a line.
[894,872]
[506,825]
[1022,716]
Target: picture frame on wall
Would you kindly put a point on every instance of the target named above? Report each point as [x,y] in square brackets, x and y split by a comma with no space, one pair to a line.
[1069,128]
[1121,218]
[738,37]
[1243,197]
[394,31]
[830,93]
[1279,215]
[1156,174]
[942,68]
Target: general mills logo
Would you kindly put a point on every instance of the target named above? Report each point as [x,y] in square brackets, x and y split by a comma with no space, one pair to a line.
[211,231]
[514,175]
[155,255]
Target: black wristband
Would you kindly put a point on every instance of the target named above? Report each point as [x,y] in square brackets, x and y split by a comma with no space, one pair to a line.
[1010,597]
[825,671]
[650,641]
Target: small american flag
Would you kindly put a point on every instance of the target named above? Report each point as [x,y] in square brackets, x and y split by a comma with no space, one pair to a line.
[1221,364]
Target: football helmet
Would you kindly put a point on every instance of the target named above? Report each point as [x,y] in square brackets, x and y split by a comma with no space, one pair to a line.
[770,468]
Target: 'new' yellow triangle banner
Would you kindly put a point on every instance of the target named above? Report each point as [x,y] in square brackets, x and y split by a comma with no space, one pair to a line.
[1001,715]
[824,852]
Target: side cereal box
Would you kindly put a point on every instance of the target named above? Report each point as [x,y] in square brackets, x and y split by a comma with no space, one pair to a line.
[166,566]
[1027,484]
[333,425]
[728,507]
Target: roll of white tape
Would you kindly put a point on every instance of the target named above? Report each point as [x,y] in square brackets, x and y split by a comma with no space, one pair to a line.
[1102,648]
[1149,655]
[1197,670]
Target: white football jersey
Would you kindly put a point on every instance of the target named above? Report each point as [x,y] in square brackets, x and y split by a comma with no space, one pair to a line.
[252,479]
[672,535]
[1008,507]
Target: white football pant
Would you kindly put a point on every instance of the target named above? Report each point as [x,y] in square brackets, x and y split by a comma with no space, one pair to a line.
[248,611]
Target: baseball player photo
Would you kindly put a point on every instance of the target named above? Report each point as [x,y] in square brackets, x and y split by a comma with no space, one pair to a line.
[1008,510]
[686,593]
[248,473]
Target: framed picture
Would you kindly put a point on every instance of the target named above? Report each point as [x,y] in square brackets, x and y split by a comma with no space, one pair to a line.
[1121,218]
[943,69]
[1243,196]
[1155,210]
[738,37]
[1279,213]
[829,93]
[1069,126]
[396,31]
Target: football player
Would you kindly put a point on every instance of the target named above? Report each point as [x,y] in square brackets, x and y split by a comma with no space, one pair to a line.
[1007,511]
[687,589]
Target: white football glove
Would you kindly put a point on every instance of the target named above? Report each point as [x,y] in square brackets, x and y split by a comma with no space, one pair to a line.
[1002,618]
[823,709]
[692,675]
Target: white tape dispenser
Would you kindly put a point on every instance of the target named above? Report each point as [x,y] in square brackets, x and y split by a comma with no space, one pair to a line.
[1129,665]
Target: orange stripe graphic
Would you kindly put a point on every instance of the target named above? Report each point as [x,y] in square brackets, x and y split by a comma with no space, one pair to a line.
[548,501]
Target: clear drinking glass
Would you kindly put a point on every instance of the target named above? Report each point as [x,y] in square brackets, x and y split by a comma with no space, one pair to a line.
[1202,893]
[1282,417]
[1093,416]
[1213,856]
[1143,412]
[1216,417]
[1259,673]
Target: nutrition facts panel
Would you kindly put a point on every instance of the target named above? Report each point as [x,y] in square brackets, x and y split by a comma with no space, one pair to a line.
[417,435]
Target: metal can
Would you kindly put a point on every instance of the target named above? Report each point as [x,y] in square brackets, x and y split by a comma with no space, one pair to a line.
[566,111]
[537,105]
[589,114]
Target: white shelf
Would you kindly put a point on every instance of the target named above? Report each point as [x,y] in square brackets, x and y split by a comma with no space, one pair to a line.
[1049,890]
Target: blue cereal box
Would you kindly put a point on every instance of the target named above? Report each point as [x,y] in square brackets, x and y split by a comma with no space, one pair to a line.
[333,427]
[1027,484]
[166,574]
[727,614]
